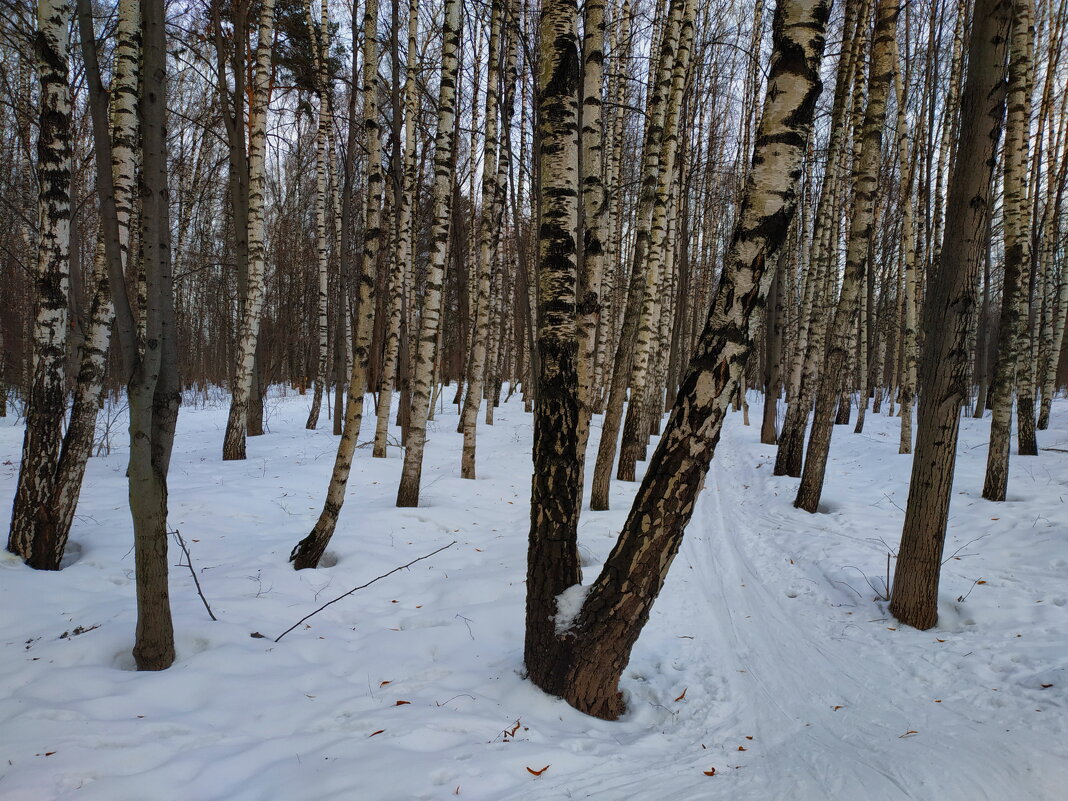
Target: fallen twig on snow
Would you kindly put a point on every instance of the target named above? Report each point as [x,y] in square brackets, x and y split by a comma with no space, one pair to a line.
[189,564]
[362,586]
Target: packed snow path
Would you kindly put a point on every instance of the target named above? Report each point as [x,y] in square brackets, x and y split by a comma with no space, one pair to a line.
[769,656]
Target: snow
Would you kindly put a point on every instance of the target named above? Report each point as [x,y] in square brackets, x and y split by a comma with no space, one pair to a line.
[569,604]
[769,656]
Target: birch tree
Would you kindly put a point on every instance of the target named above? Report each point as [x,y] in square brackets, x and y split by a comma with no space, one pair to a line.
[430,320]
[44,411]
[582,660]
[309,551]
[1011,337]
[248,333]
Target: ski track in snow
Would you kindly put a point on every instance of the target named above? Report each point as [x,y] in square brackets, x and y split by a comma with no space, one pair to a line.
[794,681]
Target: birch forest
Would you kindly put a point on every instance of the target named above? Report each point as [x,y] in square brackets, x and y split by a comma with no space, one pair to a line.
[295,292]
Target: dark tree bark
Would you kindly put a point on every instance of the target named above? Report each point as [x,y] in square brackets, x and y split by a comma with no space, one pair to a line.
[552,556]
[949,308]
[589,654]
[153,387]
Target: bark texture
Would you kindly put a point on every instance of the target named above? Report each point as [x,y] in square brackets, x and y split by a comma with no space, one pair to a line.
[949,307]
[592,652]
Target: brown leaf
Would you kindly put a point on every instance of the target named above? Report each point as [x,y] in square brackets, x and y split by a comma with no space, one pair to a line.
[742,748]
[939,640]
[981,581]
[533,772]
[401,703]
[909,733]
[710,772]
[384,683]
[683,694]
[1046,686]
[748,737]
[372,734]
[837,707]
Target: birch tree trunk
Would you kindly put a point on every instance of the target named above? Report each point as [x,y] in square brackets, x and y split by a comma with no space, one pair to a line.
[552,553]
[309,550]
[489,236]
[590,653]
[47,396]
[594,200]
[865,183]
[805,363]
[1022,72]
[1017,253]
[624,356]
[909,285]
[636,426]
[950,304]
[430,321]
[248,336]
[321,54]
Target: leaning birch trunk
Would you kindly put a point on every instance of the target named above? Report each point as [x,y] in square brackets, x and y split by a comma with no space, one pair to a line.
[430,322]
[309,550]
[591,653]
[552,555]
[237,422]
[865,183]
[948,308]
[487,251]
[1017,253]
[44,410]
[320,53]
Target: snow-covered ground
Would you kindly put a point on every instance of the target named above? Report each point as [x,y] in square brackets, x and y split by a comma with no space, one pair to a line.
[769,657]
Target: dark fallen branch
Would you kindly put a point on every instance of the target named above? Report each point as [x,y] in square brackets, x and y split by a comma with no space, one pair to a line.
[189,563]
[362,586]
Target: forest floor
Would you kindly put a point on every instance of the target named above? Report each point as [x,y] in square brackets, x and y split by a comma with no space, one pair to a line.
[770,656]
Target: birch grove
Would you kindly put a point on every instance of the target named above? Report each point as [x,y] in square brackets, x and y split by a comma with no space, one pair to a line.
[622,222]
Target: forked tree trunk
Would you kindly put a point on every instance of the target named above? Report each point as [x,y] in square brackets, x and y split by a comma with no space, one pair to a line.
[430,321]
[948,308]
[585,660]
